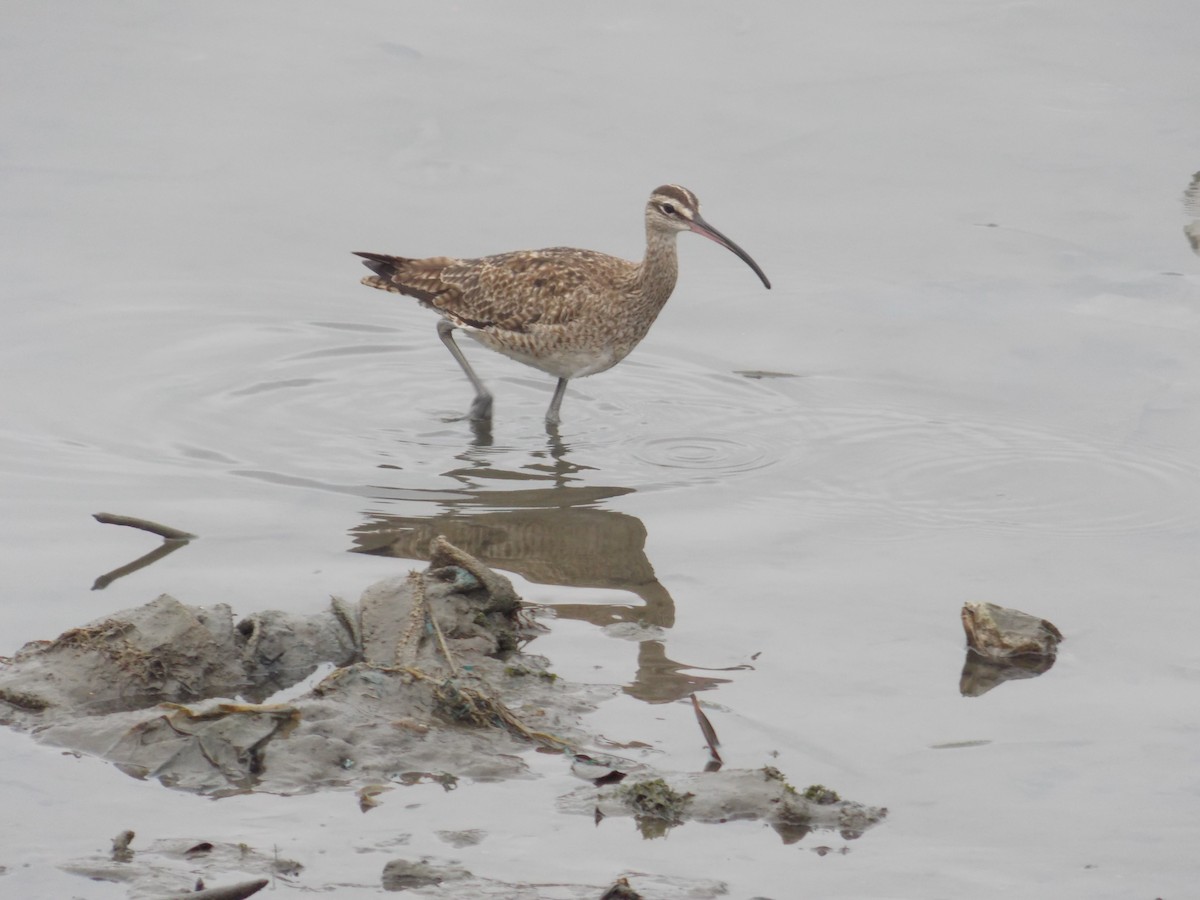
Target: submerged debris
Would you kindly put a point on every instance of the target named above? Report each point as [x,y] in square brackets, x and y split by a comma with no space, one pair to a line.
[621,891]
[367,794]
[654,804]
[120,846]
[724,796]
[821,795]
[167,869]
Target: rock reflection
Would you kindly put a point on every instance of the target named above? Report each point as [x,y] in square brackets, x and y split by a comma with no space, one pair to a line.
[980,674]
[551,532]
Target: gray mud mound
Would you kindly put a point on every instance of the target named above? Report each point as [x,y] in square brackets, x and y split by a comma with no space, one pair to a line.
[427,682]
[428,685]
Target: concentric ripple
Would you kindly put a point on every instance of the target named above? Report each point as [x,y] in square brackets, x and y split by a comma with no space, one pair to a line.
[676,424]
[894,473]
[706,453]
[318,406]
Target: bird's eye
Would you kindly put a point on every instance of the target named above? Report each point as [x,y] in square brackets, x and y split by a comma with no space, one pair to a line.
[668,209]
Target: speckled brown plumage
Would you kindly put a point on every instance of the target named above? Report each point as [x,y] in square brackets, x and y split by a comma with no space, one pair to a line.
[567,312]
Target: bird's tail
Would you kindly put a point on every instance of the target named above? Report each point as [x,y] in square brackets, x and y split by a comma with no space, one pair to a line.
[418,278]
[385,268]
[381,264]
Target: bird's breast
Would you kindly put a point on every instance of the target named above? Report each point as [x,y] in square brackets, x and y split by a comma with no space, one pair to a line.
[558,359]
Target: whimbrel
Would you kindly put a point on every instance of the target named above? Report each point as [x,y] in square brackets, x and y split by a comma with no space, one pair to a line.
[567,312]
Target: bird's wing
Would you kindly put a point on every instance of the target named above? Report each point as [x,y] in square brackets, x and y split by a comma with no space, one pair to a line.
[516,291]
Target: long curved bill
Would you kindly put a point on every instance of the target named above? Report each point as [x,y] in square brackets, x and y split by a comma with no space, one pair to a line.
[701,227]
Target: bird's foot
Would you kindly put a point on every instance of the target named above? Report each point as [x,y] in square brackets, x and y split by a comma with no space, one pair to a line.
[481,408]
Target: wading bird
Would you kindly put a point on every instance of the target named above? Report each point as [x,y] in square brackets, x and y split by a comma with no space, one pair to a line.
[567,312]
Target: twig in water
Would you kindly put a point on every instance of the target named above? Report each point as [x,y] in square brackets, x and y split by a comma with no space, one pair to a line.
[166,532]
[173,539]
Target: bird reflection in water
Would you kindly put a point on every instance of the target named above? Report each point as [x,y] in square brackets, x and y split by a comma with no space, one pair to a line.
[537,522]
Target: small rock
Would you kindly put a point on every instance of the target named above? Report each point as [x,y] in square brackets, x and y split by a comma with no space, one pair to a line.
[403,874]
[997,632]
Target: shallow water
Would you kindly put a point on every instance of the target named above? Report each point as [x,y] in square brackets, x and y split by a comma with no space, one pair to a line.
[977,378]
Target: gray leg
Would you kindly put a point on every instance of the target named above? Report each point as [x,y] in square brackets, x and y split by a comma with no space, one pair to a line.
[481,406]
[556,402]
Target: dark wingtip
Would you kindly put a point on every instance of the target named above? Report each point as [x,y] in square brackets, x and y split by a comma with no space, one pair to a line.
[378,263]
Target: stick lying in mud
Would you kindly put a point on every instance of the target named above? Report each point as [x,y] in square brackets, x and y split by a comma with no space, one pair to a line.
[166,532]
[706,728]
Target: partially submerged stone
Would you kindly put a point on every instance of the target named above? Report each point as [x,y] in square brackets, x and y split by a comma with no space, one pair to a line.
[1002,645]
[406,874]
[996,632]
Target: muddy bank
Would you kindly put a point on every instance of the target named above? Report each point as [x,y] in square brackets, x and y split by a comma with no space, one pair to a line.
[428,680]
[427,670]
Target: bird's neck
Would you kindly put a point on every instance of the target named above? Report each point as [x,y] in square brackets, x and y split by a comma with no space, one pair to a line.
[660,268]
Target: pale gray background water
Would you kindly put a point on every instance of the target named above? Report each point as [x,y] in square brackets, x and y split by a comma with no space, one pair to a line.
[971,215]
